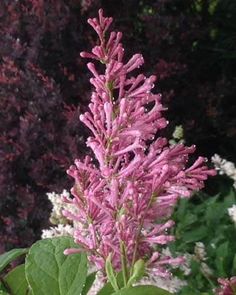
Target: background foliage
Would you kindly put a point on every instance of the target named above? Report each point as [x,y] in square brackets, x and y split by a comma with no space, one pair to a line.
[206,219]
[189,45]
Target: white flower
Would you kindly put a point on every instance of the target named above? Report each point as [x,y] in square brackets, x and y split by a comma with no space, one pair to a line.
[97,284]
[200,251]
[232,213]
[58,206]
[225,167]
[58,231]
[172,284]
[206,269]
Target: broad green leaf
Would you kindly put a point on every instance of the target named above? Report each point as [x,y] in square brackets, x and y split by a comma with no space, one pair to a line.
[8,257]
[88,283]
[16,281]
[49,271]
[3,293]
[141,290]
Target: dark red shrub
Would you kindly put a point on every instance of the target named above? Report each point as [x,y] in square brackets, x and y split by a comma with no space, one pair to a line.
[40,133]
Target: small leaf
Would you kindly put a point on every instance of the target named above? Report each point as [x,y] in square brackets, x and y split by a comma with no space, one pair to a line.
[111,274]
[234,264]
[221,254]
[16,281]
[195,235]
[138,272]
[141,290]
[8,257]
[49,271]
[108,289]
[88,284]
[188,220]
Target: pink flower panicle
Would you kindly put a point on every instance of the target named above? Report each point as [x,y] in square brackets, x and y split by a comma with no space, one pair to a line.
[228,286]
[124,201]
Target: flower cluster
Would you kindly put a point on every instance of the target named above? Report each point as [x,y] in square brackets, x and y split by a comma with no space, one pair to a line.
[58,231]
[58,205]
[125,196]
[232,213]
[228,286]
[225,167]
[63,226]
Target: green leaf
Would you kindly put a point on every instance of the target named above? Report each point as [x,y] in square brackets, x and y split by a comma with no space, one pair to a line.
[88,284]
[3,290]
[8,257]
[195,235]
[49,271]
[16,281]
[182,207]
[141,290]
[138,272]
[221,254]
[108,289]
[234,265]
[188,220]
[111,274]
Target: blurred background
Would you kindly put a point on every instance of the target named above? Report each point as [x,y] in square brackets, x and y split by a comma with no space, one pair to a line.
[190,45]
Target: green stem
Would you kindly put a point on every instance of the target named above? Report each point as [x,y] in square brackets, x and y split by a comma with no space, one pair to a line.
[124,263]
[139,232]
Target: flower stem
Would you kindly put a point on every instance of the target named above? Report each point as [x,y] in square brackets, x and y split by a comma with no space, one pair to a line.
[139,232]
[124,263]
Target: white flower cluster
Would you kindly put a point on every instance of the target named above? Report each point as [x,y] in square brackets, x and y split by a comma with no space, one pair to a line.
[225,167]
[172,284]
[228,168]
[58,231]
[58,206]
[201,256]
[200,251]
[232,213]
[62,228]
